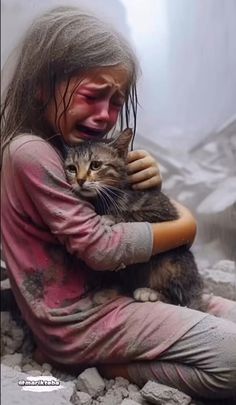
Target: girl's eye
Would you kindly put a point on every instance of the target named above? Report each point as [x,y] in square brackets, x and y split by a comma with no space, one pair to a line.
[71,169]
[118,103]
[90,97]
[95,165]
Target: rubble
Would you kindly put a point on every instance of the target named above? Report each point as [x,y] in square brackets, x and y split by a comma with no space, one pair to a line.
[160,394]
[81,398]
[129,402]
[220,279]
[91,382]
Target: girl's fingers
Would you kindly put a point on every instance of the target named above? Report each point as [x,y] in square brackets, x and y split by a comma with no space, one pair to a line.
[136,155]
[143,175]
[150,183]
[143,171]
[149,177]
[141,164]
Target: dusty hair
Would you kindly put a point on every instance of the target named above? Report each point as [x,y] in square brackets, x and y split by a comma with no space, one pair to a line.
[59,44]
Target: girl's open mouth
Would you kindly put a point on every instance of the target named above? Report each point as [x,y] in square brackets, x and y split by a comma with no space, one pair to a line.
[90,131]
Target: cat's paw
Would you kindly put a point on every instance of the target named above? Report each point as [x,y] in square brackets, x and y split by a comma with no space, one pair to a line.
[108,220]
[103,296]
[146,294]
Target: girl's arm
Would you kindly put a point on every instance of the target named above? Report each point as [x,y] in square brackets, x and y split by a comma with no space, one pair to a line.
[143,174]
[171,234]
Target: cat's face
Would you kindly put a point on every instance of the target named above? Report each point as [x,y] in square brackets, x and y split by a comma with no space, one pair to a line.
[92,168]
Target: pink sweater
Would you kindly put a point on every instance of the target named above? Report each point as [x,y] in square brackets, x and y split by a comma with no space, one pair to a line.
[50,237]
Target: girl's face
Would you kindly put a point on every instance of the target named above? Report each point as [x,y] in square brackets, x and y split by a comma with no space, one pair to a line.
[93,102]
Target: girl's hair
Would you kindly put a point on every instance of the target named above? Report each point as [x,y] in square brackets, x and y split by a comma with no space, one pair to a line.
[59,44]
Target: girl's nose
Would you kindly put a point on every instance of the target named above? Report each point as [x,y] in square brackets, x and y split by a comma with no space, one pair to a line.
[102,113]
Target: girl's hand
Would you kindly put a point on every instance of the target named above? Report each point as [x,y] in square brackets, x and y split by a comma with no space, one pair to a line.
[143,170]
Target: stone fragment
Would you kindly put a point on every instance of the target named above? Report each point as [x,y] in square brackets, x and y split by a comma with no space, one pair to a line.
[137,397]
[27,367]
[12,335]
[109,383]
[81,398]
[47,367]
[48,373]
[228,266]
[34,373]
[91,382]
[17,368]
[114,395]
[128,401]
[161,394]
[132,388]
[121,382]
[221,279]
[12,359]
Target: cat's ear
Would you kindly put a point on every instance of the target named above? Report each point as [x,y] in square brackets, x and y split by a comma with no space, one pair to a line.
[122,142]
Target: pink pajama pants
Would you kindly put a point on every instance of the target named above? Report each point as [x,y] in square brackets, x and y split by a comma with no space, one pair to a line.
[203,361]
[183,348]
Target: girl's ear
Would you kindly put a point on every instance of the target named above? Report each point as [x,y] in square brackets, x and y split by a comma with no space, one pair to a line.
[121,143]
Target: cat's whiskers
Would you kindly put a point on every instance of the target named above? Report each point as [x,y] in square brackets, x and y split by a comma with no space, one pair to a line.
[110,199]
[117,192]
[103,200]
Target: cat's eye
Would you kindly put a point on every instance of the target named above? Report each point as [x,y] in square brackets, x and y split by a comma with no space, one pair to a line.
[95,165]
[71,169]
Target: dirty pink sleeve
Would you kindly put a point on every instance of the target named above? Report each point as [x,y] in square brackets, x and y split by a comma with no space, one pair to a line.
[38,169]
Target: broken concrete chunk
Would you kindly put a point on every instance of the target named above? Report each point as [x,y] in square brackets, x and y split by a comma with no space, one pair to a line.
[127,401]
[137,397]
[82,398]
[121,382]
[47,367]
[12,360]
[91,382]
[220,279]
[161,394]
[228,266]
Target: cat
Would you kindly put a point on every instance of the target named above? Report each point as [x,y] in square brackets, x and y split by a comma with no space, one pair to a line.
[97,173]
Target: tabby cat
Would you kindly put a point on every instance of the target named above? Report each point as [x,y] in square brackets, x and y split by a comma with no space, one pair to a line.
[97,173]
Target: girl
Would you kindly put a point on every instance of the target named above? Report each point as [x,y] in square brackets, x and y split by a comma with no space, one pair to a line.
[75,78]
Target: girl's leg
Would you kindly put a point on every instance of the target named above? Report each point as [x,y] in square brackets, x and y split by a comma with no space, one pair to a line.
[201,363]
[187,349]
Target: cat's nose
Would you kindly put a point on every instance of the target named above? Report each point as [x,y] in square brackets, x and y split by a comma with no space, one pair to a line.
[81,182]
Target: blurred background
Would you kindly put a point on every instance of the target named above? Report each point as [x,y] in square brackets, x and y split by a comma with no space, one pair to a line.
[187,96]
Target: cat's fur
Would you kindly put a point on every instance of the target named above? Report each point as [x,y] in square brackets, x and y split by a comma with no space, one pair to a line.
[97,173]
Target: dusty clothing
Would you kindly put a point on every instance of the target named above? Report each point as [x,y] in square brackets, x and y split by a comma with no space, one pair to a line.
[203,361]
[50,238]
[49,235]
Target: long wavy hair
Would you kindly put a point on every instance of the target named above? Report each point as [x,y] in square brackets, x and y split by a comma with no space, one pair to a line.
[61,43]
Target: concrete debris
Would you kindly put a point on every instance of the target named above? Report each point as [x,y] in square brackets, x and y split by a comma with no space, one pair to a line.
[81,398]
[129,402]
[12,335]
[221,279]
[47,367]
[137,397]
[91,382]
[161,394]
[12,360]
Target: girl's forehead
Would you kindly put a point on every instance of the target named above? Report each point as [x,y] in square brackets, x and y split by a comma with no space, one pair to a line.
[113,77]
